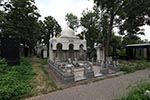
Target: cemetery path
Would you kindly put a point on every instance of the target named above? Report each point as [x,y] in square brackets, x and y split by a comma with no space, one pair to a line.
[107,89]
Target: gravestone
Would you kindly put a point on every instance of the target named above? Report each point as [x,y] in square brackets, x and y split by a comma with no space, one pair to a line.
[10,50]
[88,70]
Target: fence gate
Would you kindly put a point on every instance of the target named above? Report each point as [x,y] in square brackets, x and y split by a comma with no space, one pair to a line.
[10,50]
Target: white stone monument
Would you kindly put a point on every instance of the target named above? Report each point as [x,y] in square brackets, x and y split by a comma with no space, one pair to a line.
[100,53]
[68,45]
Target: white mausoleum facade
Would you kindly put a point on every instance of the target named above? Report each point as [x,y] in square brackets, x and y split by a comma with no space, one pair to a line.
[68,45]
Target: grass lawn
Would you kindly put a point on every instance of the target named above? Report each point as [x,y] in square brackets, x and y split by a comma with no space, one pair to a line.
[31,78]
[137,92]
[25,80]
[133,65]
[43,83]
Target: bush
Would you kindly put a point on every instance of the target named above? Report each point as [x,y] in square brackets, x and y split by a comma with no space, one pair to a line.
[131,66]
[138,92]
[127,69]
[15,80]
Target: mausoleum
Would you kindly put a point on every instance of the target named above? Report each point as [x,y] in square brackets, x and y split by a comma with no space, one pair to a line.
[67,58]
[67,46]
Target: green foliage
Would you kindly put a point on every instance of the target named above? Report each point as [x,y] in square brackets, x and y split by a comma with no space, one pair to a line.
[131,66]
[15,80]
[72,20]
[91,20]
[127,69]
[131,14]
[48,79]
[142,65]
[121,51]
[20,19]
[128,15]
[131,39]
[116,41]
[3,62]
[51,26]
[137,92]
[3,66]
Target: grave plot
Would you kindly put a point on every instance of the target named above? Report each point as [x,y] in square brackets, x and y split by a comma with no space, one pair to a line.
[69,58]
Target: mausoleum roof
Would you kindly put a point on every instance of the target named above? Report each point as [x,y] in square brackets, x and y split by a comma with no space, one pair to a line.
[68,32]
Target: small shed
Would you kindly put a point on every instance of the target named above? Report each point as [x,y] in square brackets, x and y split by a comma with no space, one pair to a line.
[135,51]
[68,45]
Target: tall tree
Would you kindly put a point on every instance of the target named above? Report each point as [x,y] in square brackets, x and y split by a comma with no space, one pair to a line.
[2,16]
[131,39]
[72,20]
[90,21]
[21,20]
[129,15]
[51,27]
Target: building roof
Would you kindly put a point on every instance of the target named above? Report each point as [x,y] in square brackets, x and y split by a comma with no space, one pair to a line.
[138,45]
[68,32]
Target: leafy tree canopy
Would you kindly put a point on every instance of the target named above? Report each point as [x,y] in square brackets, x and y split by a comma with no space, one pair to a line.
[90,20]
[72,20]
[20,21]
[131,39]
[51,27]
[128,15]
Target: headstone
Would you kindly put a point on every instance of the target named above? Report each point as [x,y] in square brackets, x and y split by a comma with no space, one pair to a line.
[88,70]
[44,53]
[10,50]
[109,60]
[104,69]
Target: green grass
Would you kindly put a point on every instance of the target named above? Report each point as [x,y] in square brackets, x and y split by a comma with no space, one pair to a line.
[48,79]
[137,92]
[133,65]
[24,80]
[43,82]
[15,80]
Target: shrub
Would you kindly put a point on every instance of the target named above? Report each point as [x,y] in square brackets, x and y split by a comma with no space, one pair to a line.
[15,80]
[138,92]
[127,69]
[131,66]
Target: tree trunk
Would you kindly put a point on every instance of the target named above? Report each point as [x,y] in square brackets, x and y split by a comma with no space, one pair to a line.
[109,34]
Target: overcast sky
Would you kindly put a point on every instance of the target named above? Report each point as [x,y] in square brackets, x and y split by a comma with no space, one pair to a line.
[59,8]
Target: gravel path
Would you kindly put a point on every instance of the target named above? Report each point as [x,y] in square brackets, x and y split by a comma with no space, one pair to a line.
[107,89]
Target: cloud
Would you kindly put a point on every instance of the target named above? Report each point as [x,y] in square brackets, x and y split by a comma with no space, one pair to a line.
[147,31]
[59,8]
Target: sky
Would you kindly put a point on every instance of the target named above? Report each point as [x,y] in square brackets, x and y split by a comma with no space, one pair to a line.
[59,8]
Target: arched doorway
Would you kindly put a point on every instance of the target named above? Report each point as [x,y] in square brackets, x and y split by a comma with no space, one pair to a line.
[59,52]
[71,51]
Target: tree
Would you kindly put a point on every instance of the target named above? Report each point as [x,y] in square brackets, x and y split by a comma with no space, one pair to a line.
[90,20]
[131,39]
[1,19]
[21,18]
[135,14]
[51,28]
[116,45]
[2,16]
[72,20]
[128,15]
